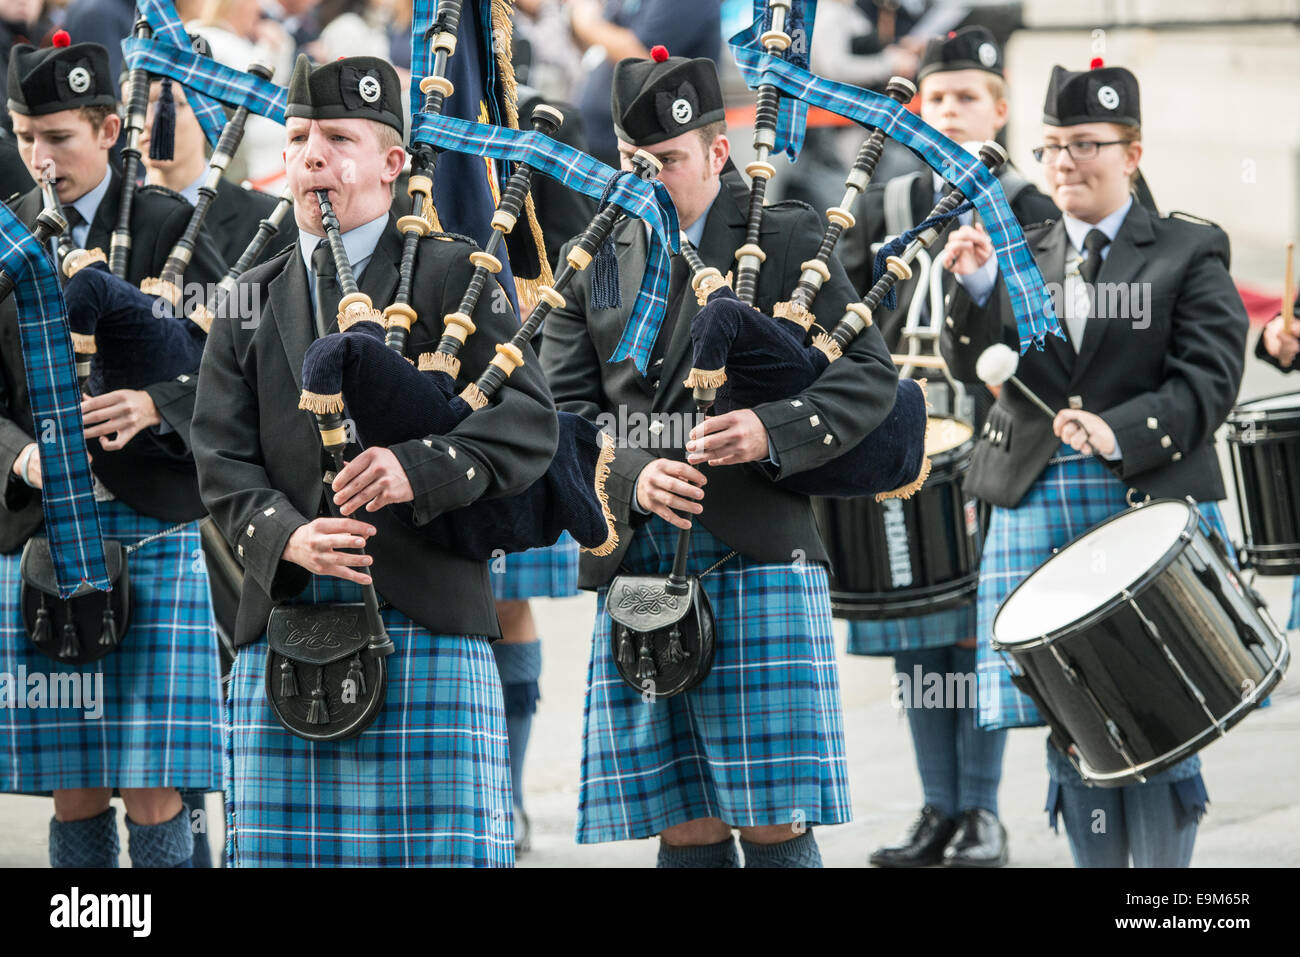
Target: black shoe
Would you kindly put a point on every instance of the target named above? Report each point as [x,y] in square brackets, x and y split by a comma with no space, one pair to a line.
[523,832]
[980,841]
[924,844]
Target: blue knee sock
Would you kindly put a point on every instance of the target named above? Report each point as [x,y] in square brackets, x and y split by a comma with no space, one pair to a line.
[801,851]
[933,730]
[722,854]
[89,843]
[979,750]
[195,801]
[520,667]
[169,844]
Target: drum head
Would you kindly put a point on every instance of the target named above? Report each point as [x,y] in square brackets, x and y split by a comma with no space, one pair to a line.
[944,433]
[1091,571]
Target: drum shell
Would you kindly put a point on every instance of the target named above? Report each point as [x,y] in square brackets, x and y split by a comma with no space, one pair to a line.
[1264,445]
[904,557]
[1192,609]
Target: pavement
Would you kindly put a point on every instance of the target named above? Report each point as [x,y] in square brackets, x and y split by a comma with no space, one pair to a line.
[1253,774]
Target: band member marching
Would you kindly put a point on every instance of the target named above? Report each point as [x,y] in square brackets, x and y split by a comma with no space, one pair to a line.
[963,95]
[758,744]
[161,723]
[1141,382]
[1278,345]
[427,782]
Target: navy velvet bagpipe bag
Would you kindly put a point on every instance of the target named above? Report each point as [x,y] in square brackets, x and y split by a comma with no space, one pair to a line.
[354,373]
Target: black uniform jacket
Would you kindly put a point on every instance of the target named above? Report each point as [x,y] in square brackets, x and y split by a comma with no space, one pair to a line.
[741,505]
[854,248]
[260,458]
[233,217]
[161,486]
[1163,373]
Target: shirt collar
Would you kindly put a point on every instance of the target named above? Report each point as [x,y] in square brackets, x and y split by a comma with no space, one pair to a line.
[1077,229]
[191,192]
[359,243]
[88,204]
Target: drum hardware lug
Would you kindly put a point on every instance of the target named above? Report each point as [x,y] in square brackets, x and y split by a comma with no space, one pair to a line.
[1129,498]
[1154,633]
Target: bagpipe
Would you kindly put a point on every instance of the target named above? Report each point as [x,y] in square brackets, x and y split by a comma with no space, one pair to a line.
[129,338]
[339,372]
[49,223]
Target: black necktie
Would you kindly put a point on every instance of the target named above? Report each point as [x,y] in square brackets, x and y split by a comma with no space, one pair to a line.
[327,291]
[1093,244]
[73,217]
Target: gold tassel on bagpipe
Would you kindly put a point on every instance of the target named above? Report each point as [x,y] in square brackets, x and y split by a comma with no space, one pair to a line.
[914,486]
[603,463]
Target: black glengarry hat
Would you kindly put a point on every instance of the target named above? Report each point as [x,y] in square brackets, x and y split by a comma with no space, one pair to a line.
[66,76]
[665,96]
[970,48]
[1103,94]
[350,88]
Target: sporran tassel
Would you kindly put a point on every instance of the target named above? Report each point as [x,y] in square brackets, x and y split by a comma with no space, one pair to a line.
[318,713]
[41,629]
[71,647]
[676,653]
[357,675]
[645,668]
[288,679]
[625,648]
[108,630]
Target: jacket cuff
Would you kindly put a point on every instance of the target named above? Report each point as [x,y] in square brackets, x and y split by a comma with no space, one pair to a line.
[442,477]
[1262,353]
[15,494]
[621,484]
[1146,442]
[174,400]
[260,542]
[798,433]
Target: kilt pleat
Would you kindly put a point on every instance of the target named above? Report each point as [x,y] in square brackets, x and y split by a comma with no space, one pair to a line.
[759,742]
[550,572]
[937,630]
[426,785]
[1068,498]
[160,722]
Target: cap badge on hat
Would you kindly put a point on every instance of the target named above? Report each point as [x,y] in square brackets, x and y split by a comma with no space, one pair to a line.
[1107,97]
[79,79]
[370,89]
[988,54]
[682,111]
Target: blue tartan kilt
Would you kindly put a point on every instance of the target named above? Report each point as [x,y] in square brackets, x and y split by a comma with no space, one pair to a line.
[759,742]
[937,630]
[550,572]
[160,706]
[1067,499]
[426,785]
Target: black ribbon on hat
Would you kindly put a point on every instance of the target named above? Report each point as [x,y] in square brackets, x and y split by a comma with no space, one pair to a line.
[664,106]
[350,79]
[63,70]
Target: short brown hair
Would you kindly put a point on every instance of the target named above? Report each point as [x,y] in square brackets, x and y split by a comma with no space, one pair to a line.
[96,115]
[387,137]
[711,132]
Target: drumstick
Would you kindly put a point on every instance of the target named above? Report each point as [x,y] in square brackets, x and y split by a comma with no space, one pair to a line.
[1288,291]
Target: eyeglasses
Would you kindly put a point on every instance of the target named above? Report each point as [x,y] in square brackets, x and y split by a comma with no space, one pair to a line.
[1080,151]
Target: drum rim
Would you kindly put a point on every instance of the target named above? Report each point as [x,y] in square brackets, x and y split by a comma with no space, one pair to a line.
[1104,610]
[1139,772]
[954,451]
[1241,408]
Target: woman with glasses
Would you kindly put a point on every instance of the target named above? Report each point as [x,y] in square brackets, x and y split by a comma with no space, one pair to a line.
[1146,372]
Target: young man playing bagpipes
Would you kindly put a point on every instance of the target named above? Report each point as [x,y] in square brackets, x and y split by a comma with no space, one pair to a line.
[964,96]
[160,729]
[427,782]
[1139,398]
[758,744]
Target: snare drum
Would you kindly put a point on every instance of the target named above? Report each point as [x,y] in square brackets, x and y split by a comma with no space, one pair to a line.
[1264,439]
[903,557]
[1139,643]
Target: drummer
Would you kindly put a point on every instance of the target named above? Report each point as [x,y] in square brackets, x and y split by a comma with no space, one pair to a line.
[1278,347]
[1147,371]
[964,96]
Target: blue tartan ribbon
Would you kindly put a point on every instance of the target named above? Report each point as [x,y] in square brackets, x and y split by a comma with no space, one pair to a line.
[587,175]
[207,76]
[792,117]
[1030,299]
[67,496]
[166,23]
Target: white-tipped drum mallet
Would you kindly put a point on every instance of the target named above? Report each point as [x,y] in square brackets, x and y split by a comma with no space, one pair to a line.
[997,364]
